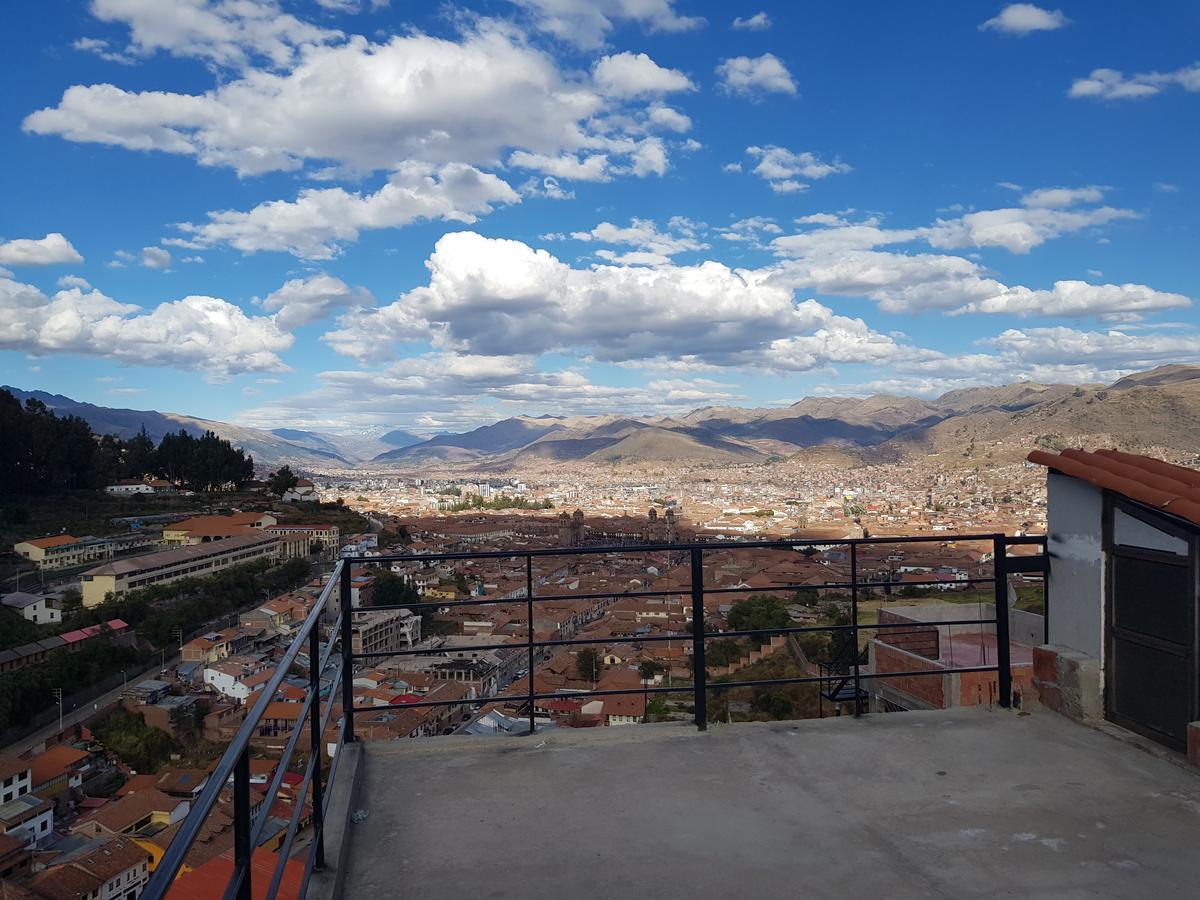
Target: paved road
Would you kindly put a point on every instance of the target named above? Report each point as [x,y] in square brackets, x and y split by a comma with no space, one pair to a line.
[86,711]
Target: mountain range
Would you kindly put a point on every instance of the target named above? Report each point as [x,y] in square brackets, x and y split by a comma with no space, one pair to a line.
[1157,409]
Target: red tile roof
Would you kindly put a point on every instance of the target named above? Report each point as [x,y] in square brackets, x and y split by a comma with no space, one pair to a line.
[1170,488]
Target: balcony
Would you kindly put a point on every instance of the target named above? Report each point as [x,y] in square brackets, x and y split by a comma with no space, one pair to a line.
[948,803]
[974,800]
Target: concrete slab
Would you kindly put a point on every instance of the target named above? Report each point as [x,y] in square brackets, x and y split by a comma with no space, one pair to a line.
[962,803]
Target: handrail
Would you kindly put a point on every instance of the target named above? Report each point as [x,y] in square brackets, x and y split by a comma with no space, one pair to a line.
[235,762]
[234,758]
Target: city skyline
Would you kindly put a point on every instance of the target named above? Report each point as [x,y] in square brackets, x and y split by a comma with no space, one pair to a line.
[251,212]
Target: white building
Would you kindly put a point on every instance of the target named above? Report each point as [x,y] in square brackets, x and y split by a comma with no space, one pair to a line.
[304,492]
[33,608]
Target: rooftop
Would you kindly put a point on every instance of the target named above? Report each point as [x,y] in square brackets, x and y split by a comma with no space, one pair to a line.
[956,803]
[1170,488]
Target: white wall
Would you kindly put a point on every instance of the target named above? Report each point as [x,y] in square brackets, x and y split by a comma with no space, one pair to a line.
[1129,531]
[1074,516]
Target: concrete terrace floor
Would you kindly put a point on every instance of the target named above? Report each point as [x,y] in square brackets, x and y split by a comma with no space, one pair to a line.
[966,803]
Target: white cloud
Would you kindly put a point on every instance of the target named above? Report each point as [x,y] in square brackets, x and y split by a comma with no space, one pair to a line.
[319,220]
[1025,18]
[304,300]
[732,167]
[103,50]
[1105,350]
[760,21]
[226,32]
[1060,197]
[657,246]
[53,249]
[782,168]
[1163,187]
[493,297]
[670,119]
[72,281]
[1078,298]
[1018,230]
[752,77]
[1112,84]
[204,334]
[587,23]
[359,105]
[636,75]
[569,167]
[156,258]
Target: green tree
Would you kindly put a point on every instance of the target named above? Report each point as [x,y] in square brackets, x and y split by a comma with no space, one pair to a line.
[760,611]
[587,664]
[648,668]
[282,481]
[137,744]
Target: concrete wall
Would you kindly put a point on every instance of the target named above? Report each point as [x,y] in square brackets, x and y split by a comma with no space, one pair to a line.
[1075,513]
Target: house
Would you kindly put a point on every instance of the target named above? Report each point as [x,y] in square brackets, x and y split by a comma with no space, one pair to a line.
[15,778]
[112,870]
[58,771]
[1124,535]
[235,677]
[36,608]
[27,818]
[132,812]
[304,492]
[205,529]
[129,486]
[15,860]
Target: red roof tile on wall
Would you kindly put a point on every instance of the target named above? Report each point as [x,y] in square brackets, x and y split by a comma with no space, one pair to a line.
[1170,488]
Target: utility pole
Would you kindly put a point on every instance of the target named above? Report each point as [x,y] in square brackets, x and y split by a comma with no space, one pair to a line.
[58,695]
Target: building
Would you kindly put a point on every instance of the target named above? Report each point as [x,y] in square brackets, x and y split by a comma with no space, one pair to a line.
[304,492]
[1124,537]
[23,815]
[120,576]
[15,778]
[328,536]
[131,813]
[384,630]
[62,551]
[235,677]
[205,529]
[113,870]
[57,772]
[129,486]
[37,651]
[35,608]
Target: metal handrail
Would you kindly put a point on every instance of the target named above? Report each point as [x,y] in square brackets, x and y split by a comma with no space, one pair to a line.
[235,762]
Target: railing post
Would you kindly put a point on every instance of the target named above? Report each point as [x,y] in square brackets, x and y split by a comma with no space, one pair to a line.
[241,824]
[347,651]
[314,685]
[529,637]
[699,673]
[1046,589]
[854,622]
[1003,663]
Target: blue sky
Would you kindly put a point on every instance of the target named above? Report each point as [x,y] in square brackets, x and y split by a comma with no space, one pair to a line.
[346,212]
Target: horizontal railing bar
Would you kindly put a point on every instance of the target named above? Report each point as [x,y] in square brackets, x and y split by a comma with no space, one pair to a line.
[168,867]
[491,601]
[652,638]
[1013,540]
[834,585]
[814,679]
[361,711]
[780,544]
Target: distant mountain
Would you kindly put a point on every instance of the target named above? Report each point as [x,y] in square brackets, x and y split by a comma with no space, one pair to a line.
[1146,410]
[1160,408]
[269,449]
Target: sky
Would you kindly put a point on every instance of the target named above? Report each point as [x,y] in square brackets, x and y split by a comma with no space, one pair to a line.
[346,213]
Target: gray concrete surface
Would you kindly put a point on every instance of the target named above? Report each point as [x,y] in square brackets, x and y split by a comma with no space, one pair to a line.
[964,803]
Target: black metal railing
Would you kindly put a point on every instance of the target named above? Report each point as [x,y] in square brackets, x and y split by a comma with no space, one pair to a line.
[235,762]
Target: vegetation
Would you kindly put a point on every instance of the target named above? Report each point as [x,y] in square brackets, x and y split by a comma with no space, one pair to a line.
[141,746]
[793,701]
[648,668]
[27,692]
[282,481]
[760,611]
[725,652]
[42,453]
[392,590]
[501,502]
[587,664]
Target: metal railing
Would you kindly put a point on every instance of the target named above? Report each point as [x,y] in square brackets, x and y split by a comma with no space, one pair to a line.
[235,762]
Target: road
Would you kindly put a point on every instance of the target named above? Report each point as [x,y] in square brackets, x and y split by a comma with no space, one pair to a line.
[88,711]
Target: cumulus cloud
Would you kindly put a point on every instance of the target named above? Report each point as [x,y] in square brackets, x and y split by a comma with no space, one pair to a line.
[760,21]
[753,77]
[1025,18]
[360,105]
[156,258]
[225,32]
[205,334]
[636,75]
[1112,84]
[53,249]
[497,297]
[655,247]
[304,300]
[1059,197]
[587,23]
[318,221]
[1078,298]
[782,168]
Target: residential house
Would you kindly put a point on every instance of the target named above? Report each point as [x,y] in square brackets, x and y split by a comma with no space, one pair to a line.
[112,870]
[36,608]
[132,812]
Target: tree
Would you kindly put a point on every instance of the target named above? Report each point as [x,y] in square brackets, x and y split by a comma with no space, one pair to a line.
[806,597]
[389,589]
[648,668]
[587,664]
[758,612]
[282,481]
